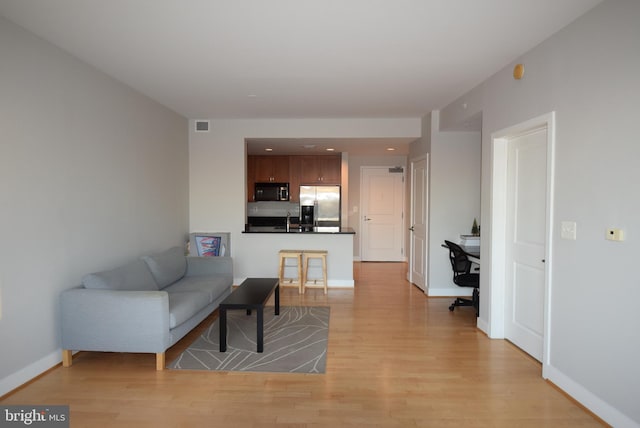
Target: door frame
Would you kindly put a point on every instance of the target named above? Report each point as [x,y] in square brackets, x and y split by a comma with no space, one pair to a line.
[409,247]
[361,222]
[498,206]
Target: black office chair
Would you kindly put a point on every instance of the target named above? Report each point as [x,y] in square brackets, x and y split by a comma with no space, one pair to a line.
[463,277]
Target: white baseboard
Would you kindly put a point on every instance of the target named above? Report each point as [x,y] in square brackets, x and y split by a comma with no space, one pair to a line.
[585,397]
[30,372]
[449,292]
[483,326]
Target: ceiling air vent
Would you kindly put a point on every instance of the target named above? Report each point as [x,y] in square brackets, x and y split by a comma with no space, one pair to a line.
[202,126]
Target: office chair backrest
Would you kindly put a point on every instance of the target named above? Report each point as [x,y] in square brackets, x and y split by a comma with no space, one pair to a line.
[459,261]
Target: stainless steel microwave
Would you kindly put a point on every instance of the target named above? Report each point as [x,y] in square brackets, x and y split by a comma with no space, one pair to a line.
[272,192]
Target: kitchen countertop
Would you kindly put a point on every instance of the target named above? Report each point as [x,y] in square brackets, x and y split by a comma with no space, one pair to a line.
[306,231]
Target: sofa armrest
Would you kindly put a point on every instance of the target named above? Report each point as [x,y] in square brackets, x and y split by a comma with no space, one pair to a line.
[207,266]
[115,320]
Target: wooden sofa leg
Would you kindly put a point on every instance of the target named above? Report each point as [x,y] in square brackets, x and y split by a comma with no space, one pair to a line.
[67,358]
[160,361]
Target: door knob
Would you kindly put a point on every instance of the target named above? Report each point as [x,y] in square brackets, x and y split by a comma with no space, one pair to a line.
[366,218]
[411,228]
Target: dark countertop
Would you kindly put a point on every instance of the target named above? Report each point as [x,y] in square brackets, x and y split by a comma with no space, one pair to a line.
[332,230]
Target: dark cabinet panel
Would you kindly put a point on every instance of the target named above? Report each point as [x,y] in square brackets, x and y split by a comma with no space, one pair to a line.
[320,169]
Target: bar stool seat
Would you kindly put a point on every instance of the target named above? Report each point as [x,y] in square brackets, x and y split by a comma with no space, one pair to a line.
[290,282]
[315,283]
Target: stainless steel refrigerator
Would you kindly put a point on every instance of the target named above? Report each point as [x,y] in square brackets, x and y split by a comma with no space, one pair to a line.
[326,203]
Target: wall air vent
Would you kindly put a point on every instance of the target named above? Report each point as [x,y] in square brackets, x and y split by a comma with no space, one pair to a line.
[202,126]
[396,170]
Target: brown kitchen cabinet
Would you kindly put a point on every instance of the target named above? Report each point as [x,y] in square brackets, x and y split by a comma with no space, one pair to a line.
[251,181]
[295,168]
[320,169]
[271,169]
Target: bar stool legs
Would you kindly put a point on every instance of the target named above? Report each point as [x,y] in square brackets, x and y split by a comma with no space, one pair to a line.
[315,283]
[291,282]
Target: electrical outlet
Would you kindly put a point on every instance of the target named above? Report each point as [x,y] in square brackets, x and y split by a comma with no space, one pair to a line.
[615,235]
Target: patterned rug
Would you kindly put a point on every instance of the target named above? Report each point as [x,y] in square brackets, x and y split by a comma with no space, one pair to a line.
[294,341]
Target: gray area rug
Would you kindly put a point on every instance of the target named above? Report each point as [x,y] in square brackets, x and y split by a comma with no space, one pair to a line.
[294,341]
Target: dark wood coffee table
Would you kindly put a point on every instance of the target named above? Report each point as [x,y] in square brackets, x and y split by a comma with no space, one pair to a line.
[252,294]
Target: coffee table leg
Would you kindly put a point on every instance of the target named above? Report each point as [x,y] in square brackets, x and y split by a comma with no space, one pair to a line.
[260,313]
[277,300]
[223,329]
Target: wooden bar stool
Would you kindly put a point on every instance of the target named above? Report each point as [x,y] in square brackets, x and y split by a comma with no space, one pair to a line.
[315,283]
[290,282]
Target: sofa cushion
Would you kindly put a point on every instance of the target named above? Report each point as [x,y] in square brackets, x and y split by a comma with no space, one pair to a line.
[134,276]
[168,266]
[185,304]
[214,286]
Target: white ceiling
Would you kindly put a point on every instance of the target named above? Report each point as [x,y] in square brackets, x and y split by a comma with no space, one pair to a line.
[208,59]
[320,146]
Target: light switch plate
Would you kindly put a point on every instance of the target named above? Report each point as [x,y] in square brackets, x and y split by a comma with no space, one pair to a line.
[568,230]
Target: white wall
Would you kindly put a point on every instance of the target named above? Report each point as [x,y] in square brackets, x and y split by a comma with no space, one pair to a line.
[454,200]
[218,173]
[587,73]
[92,175]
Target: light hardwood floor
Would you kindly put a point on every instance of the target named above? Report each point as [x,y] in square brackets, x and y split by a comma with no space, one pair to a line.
[395,359]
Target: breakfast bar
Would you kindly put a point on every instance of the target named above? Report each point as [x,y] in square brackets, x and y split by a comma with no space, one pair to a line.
[262,244]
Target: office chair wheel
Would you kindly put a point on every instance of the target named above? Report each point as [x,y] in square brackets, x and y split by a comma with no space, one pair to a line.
[452,307]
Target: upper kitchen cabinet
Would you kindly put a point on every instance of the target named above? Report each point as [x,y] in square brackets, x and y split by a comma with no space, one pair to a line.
[251,179]
[320,169]
[271,169]
[295,168]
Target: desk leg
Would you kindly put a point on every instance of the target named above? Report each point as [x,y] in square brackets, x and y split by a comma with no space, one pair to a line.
[222,313]
[277,300]
[260,313]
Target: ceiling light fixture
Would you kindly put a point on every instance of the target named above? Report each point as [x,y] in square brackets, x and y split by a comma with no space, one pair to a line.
[390,149]
[330,149]
[268,149]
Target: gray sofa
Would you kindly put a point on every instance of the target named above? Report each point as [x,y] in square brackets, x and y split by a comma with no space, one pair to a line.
[144,306]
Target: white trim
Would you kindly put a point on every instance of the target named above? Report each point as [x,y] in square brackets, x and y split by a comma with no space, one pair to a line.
[482,326]
[604,410]
[497,215]
[361,223]
[499,146]
[409,255]
[30,372]
[449,292]
[341,283]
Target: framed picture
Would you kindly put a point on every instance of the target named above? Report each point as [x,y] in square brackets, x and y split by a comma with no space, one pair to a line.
[209,244]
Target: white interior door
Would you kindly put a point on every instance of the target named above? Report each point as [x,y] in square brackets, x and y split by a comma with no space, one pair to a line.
[382,201]
[525,240]
[419,212]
